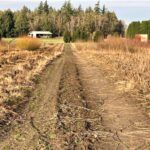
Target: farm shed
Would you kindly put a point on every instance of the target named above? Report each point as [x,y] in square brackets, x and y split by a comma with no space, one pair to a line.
[40,34]
[142,37]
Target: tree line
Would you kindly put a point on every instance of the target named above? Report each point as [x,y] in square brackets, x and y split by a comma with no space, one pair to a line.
[138,28]
[73,23]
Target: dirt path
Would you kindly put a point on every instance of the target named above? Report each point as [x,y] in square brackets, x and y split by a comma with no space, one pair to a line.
[76,107]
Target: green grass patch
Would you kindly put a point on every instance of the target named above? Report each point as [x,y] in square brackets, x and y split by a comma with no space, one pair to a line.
[9,39]
[53,40]
[48,41]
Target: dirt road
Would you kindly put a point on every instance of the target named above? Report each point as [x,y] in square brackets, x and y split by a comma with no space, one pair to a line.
[76,107]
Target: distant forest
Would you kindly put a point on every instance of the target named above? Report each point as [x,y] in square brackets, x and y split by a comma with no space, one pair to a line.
[138,28]
[73,23]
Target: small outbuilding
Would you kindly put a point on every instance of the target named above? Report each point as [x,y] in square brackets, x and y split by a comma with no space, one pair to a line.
[142,37]
[40,34]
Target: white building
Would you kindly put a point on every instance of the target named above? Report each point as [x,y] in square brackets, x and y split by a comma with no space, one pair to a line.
[40,34]
[142,37]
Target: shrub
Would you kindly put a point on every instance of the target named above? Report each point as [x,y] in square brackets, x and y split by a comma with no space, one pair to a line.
[3,45]
[27,43]
[75,35]
[80,35]
[97,36]
[67,36]
[85,35]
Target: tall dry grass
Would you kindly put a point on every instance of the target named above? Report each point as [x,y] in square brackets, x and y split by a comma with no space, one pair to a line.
[129,60]
[114,43]
[3,45]
[27,43]
[19,71]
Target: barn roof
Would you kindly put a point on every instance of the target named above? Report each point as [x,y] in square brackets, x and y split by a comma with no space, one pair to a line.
[40,32]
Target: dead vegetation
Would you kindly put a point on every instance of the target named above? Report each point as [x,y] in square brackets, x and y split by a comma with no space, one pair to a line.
[19,72]
[75,106]
[27,43]
[3,46]
[126,61]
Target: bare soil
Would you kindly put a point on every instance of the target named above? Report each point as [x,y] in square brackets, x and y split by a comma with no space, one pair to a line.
[76,107]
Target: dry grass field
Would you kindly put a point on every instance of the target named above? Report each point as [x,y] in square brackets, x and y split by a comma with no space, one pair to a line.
[88,98]
[19,70]
[126,61]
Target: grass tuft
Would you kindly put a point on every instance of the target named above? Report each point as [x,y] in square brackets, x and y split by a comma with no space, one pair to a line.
[27,43]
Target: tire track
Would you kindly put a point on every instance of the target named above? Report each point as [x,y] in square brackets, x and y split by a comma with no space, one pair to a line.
[75,115]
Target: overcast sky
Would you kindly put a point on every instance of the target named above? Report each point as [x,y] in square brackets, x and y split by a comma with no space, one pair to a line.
[127,10]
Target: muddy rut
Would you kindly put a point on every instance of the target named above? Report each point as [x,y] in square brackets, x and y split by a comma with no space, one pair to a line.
[75,107]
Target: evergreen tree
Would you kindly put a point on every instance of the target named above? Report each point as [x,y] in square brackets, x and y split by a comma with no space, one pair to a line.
[7,24]
[81,24]
[1,24]
[105,27]
[97,8]
[41,8]
[22,23]
[89,10]
[84,35]
[133,29]
[76,35]
[97,36]
[149,29]
[25,10]
[104,10]
[67,11]
[46,7]
[67,36]
[80,8]
[138,28]
[119,28]
[144,27]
